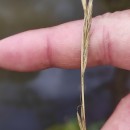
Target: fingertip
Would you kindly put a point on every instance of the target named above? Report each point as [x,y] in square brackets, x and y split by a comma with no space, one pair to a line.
[120,119]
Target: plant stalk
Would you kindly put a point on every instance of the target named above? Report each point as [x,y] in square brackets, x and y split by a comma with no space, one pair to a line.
[87,7]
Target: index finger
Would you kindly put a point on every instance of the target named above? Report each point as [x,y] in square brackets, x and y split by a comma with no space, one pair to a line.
[60,46]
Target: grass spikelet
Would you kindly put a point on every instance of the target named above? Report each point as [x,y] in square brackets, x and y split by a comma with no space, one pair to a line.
[87,7]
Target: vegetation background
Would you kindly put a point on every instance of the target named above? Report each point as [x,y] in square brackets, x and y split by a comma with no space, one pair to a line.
[48,100]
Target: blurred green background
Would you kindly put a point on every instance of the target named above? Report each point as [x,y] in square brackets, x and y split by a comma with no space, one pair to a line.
[48,100]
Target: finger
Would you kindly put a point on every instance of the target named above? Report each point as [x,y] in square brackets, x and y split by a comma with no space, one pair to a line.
[60,46]
[120,119]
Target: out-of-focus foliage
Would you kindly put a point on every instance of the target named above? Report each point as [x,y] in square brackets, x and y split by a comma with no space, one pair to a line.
[96,126]
[114,5]
[72,125]
[17,16]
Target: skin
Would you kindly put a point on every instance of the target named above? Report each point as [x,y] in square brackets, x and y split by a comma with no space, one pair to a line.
[60,47]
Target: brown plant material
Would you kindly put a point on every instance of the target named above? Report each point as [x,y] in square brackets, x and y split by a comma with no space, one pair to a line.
[87,7]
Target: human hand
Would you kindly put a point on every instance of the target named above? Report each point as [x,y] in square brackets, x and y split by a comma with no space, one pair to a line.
[60,47]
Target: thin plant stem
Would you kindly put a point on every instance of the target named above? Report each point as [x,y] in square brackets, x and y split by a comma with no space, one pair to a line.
[87,7]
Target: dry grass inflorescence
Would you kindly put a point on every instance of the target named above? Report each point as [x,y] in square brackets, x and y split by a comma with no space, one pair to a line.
[87,7]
